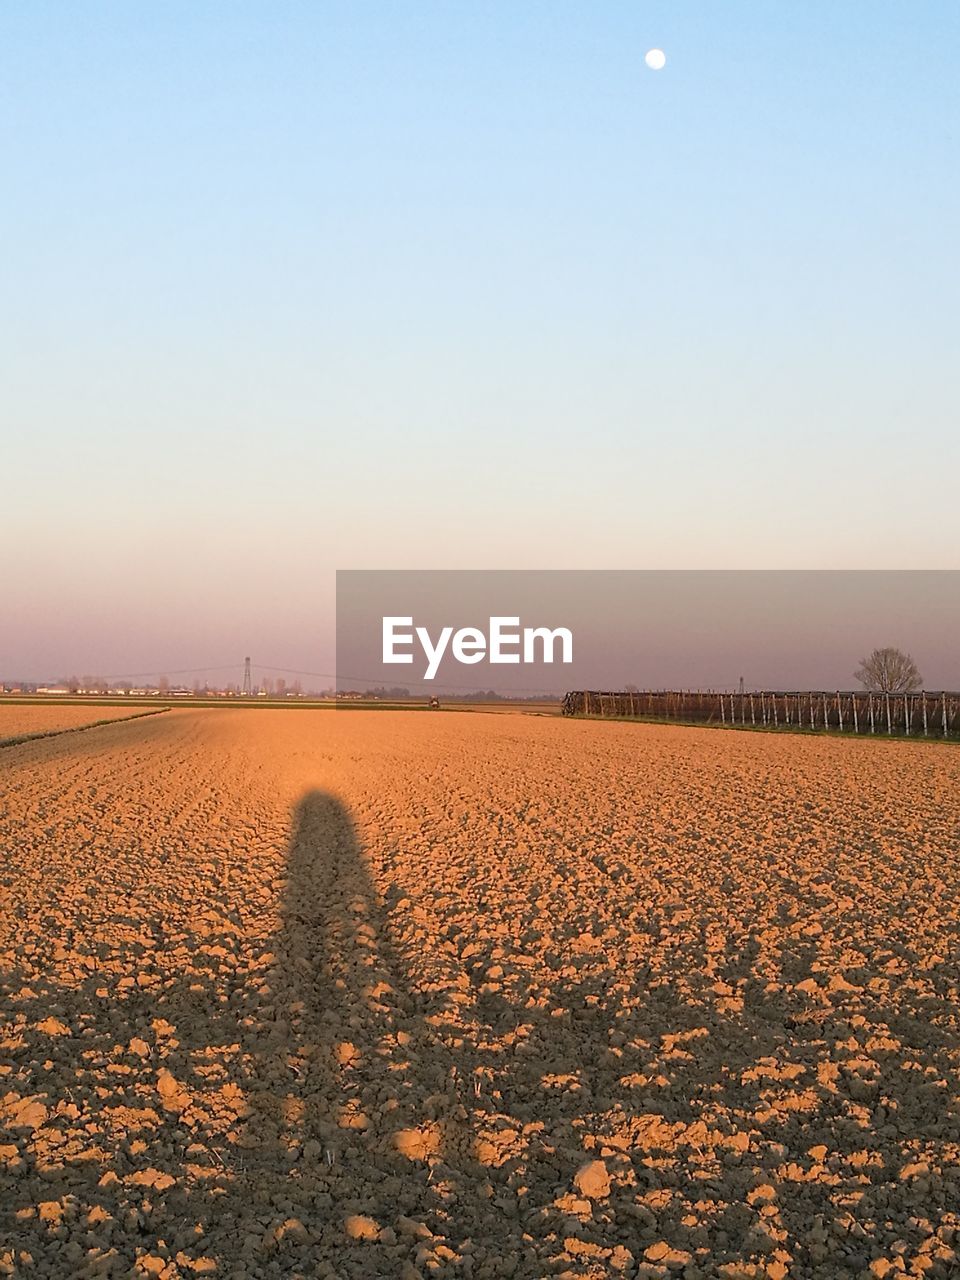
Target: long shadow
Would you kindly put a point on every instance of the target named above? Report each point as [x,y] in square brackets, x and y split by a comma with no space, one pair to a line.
[316,1111]
[300,1113]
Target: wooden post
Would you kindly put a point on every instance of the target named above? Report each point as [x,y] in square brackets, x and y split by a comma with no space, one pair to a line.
[775,724]
[856,726]
[924,697]
[839,711]
[753,717]
[873,728]
[825,724]
[889,721]
[944,714]
[813,714]
[907,715]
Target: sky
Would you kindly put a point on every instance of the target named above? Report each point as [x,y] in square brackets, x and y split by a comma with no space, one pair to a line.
[290,288]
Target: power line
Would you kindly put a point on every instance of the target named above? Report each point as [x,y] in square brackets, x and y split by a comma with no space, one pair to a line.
[379,680]
[166,671]
[337,676]
[340,676]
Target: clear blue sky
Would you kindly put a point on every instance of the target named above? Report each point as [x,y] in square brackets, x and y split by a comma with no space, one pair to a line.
[288,287]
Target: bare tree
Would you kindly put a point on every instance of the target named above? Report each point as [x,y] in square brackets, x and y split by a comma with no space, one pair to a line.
[889,671]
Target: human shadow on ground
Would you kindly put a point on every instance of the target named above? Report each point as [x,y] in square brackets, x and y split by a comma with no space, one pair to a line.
[312,1110]
[210,1108]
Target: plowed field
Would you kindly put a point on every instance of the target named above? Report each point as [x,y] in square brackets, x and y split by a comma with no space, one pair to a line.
[381,994]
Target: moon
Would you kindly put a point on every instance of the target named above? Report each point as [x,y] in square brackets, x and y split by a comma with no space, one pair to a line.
[655,59]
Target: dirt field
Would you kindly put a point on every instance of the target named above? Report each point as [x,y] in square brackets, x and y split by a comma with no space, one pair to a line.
[325,994]
[23,721]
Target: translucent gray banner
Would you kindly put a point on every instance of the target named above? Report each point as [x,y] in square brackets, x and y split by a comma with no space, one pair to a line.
[529,634]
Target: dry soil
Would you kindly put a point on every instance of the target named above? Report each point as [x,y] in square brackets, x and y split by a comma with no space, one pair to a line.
[348,994]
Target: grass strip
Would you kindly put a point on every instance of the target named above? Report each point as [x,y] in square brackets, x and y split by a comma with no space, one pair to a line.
[78,728]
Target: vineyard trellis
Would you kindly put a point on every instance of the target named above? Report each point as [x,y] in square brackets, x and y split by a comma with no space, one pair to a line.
[927,714]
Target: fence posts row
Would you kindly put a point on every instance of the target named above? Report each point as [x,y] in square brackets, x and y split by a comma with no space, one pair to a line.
[914,714]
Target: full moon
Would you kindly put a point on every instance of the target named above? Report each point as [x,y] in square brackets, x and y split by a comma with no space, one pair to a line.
[655,59]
